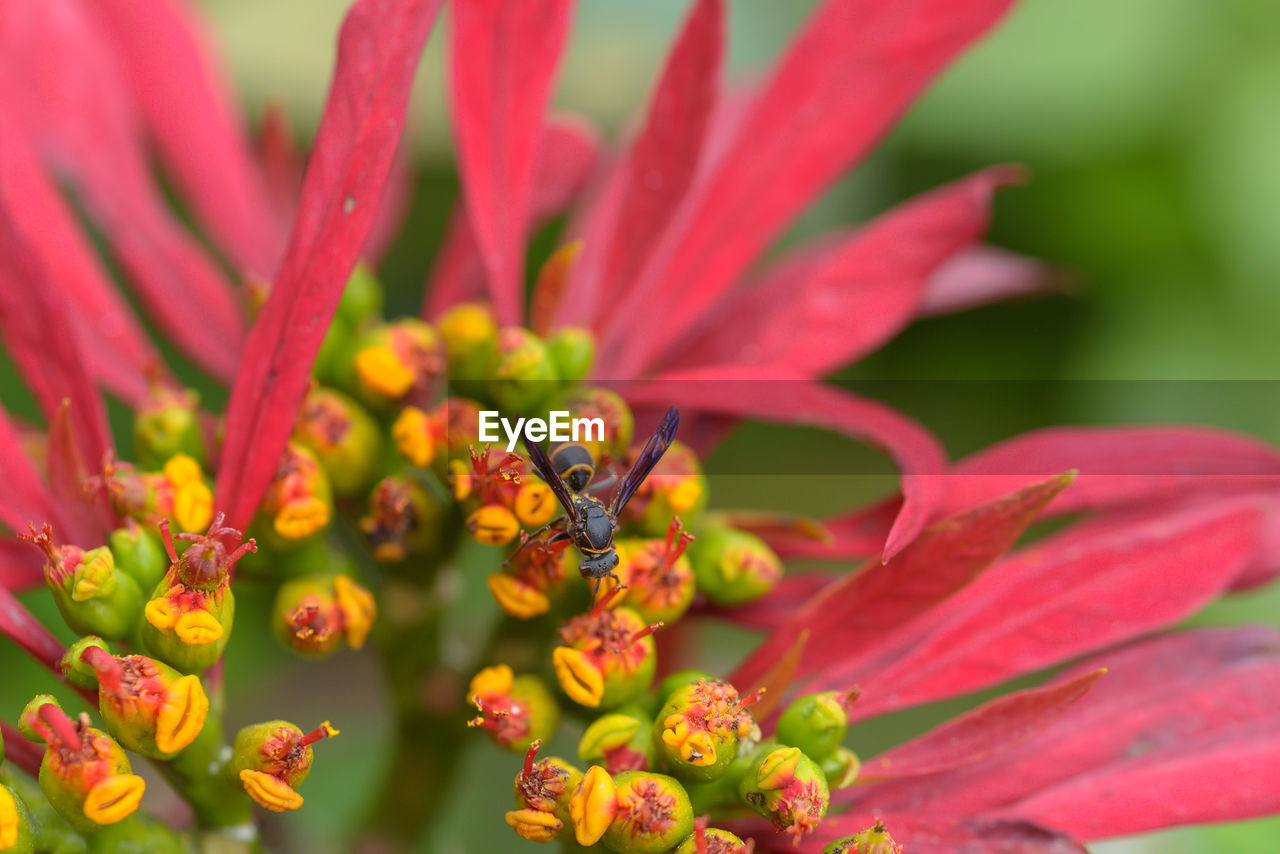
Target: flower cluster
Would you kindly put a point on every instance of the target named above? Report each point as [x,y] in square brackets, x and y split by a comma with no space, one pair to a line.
[346,476]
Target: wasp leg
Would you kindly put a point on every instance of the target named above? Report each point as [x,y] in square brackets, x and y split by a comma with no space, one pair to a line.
[529,538]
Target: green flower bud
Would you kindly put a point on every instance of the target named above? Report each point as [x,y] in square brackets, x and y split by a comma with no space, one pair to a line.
[139,553]
[573,352]
[361,302]
[272,759]
[400,362]
[815,723]
[149,707]
[471,341]
[788,788]
[75,669]
[16,835]
[653,814]
[712,841]
[335,364]
[609,407]
[522,375]
[841,767]
[697,730]
[873,840]
[542,791]
[166,423]
[514,710]
[607,657]
[619,741]
[92,595]
[85,774]
[342,436]
[658,577]
[190,615]
[733,567]
[29,719]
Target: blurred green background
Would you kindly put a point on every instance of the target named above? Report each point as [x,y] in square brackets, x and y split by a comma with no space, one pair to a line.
[1151,129]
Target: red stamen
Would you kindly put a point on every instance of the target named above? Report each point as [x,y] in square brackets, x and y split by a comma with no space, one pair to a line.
[699,824]
[245,547]
[603,605]
[110,672]
[531,755]
[644,633]
[60,728]
[167,536]
[43,540]
[750,700]
[322,731]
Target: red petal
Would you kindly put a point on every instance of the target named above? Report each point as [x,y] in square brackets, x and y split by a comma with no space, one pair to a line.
[567,153]
[64,82]
[782,396]
[24,498]
[191,114]
[985,274]
[504,57]
[658,168]
[102,320]
[842,83]
[21,566]
[988,729]
[1061,597]
[378,51]
[1160,695]
[823,308]
[919,834]
[26,631]
[26,755]
[863,607]
[32,318]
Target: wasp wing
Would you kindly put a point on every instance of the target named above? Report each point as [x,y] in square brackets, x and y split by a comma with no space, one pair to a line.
[648,458]
[547,472]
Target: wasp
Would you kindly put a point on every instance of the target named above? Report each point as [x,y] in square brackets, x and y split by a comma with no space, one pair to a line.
[588,522]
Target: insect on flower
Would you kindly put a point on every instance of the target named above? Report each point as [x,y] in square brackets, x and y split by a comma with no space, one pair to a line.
[588,523]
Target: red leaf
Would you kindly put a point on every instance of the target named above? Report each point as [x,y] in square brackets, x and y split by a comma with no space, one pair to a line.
[24,754]
[567,153]
[921,834]
[657,169]
[101,319]
[32,318]
[841,84]
[17,624]
[191,114]
[378,50]
[64,83]
[503,61]
[825,307]
[985,274]
[988,729]
[1158,696]
[782,396]
[1061,597]
[21,566]
[24,498]
[863,607]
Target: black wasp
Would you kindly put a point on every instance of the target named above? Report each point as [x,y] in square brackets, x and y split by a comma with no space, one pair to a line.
[589,523]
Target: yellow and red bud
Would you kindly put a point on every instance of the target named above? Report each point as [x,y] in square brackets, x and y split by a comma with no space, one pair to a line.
[299,501]
[542,792]
[607,657]
[416,435]
[514,710]
[272,759]
[85,774]
[873,840]
[711,840]
[342,436]
[312,615]
[146,705]
[399,362]
[733,567]
[93,596]
[659,577]
[619,741]
[699,727]
[402,519]
[652,816]
[677,487]
[788,788]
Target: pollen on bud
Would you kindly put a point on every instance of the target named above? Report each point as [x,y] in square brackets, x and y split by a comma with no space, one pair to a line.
[652,816]
[415,434]
[593,805]
[299,501]
[607,657]
[711,840]
[873,840]
[342,436]
[272,759]
[514,710]
[402,519]
[543,789]
[619,741]
[788,788]
[699,727]
[733,567]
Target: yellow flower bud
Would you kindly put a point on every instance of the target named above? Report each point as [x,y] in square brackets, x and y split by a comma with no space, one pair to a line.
[493,525]
[197,628]
[358,608]
[114,798]
[380,369]
[414,436]
[593,805]
[182,714]
[534,825]
[535,504]
[270,792]
[516,597]
[491,682]
[578,675]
